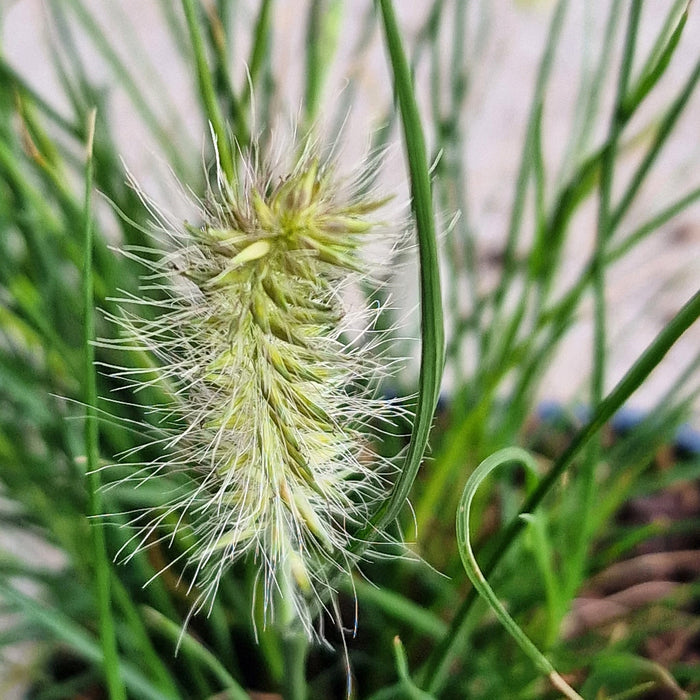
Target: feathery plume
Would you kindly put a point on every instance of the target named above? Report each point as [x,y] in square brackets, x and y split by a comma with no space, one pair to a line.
[272,376]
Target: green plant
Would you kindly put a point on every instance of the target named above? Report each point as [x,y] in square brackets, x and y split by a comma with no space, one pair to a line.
[539,537]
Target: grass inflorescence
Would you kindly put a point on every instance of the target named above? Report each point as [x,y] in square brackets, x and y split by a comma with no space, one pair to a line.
[273,377]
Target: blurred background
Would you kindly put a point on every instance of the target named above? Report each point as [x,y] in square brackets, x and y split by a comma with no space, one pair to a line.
[503,44]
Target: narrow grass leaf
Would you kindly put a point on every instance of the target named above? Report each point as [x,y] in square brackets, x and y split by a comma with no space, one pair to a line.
[527,157]
[261,39]
[505,456]
[192,647]
[432,330]
[664,130]
[102,564]
[64,629]
[439,661]
[656,65]
[321,41]
[207,92]
[400,608]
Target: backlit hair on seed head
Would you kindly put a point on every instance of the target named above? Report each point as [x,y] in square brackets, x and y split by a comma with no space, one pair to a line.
[272,376]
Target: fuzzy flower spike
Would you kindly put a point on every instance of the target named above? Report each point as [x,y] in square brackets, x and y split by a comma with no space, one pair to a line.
[273,377]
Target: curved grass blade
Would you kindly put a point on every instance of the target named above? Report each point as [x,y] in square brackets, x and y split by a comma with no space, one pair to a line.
[444,653]
[505,456]
[432,330]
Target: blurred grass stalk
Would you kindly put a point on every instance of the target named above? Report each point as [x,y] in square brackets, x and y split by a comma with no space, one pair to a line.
[92,462]
[499,343]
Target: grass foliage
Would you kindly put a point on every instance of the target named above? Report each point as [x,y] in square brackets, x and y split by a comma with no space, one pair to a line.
[539,537]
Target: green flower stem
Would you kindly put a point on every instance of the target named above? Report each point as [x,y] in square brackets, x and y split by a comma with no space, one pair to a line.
[439,661]
[432,331]
[207,93]
[295,647]
[506,456]
[101,560]
[295,644]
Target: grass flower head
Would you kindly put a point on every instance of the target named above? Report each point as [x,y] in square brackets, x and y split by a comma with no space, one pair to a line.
[273,376]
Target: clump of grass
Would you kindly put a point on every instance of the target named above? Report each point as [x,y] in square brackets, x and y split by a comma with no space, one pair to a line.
[246,317]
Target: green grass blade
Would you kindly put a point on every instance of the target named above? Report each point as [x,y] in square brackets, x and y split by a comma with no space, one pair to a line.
[136,94]
[505,456]
[616,125]
[652,225]
[527,158]
[321,40]
[398,607]
[439,661]
[656,65]
[195,649]
[207,93]
[664,130]
[603,231]
[432,331]
[407,688]
[261,38]
[556,600]
[124,24]
[564,306]
[174,23]
[152,661]
[588,100]
[102,564]
[222,75]
[462,257]
[9,75]
[64,629]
